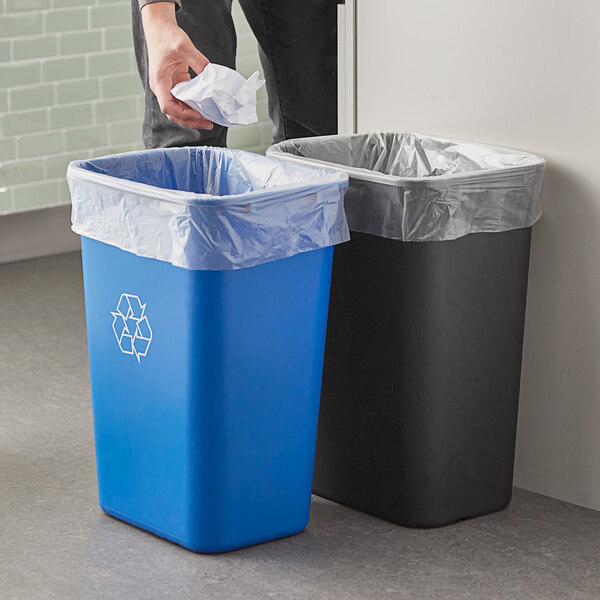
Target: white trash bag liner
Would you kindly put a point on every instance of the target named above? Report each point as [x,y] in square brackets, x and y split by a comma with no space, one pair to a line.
[207,208]
[412,187]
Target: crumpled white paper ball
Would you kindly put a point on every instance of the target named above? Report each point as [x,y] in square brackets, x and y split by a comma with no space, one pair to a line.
[221,95]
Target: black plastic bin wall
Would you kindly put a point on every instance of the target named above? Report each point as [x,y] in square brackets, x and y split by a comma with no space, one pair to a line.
[420,391]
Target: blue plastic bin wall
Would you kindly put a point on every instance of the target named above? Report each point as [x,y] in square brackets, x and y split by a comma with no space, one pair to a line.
[205,387]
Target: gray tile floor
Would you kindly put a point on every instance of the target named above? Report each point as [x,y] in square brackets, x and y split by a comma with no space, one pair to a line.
[56,543]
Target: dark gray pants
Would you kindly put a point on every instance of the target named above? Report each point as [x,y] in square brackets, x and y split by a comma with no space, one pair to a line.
[297,46]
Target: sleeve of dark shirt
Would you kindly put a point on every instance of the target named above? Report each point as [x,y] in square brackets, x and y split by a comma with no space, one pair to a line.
[144,2]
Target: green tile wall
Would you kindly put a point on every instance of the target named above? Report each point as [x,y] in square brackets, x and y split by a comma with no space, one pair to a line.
[69,89]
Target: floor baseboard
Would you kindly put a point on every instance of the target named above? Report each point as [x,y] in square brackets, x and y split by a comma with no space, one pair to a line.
[36,233]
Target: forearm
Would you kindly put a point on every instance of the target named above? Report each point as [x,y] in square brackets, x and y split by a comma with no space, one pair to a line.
[171,54]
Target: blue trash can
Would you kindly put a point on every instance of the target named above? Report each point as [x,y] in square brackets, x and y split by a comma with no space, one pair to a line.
[206,276]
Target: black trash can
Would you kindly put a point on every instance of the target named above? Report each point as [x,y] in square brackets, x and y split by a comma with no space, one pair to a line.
[420,391]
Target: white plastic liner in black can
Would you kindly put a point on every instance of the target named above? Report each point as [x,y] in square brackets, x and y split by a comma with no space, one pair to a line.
[413,187]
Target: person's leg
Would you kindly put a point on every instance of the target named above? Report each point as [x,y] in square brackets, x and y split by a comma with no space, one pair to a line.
[297,42]
[210,27]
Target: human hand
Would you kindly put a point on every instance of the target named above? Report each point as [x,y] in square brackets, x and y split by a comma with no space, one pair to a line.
[170,54]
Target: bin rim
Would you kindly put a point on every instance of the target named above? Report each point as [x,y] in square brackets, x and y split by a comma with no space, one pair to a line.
[76,171]
[434,181]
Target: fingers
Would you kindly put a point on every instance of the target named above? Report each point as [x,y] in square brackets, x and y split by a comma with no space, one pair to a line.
[178,110]
[197,124]
[193,123]
[195,59]
[180,113]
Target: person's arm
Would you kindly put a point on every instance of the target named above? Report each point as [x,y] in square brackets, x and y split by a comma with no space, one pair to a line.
[170,54]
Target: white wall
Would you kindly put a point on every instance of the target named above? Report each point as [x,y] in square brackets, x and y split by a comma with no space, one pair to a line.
[524,75]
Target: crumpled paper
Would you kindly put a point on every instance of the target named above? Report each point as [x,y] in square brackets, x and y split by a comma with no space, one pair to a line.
[221,95]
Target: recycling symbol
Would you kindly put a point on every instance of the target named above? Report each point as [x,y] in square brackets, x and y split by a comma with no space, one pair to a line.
[131,326]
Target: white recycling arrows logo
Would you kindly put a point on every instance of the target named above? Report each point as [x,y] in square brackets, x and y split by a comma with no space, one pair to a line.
[131,326]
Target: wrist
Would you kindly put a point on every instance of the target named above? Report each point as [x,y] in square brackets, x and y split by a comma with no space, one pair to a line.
[158,15]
